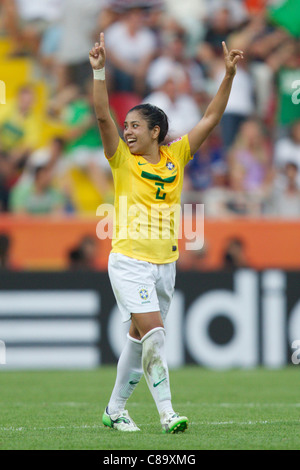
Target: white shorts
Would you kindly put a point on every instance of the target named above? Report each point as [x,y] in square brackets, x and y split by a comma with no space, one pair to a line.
[141,287]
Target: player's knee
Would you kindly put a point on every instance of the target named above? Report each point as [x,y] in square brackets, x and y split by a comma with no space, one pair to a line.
[155,336]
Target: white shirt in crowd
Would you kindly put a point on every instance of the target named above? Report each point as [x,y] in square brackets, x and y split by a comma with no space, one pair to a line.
[78,26]
[48,10]
[129,48]
[183,113]
[237,9]
[285,151]
[241,99]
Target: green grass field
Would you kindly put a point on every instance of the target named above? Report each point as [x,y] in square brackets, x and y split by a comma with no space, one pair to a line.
[255,409]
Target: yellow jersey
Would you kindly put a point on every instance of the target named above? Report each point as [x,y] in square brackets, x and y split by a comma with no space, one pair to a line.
[18,131]
[147,202]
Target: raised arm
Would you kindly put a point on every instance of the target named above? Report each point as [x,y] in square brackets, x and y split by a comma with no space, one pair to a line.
[108,129]
[216,108]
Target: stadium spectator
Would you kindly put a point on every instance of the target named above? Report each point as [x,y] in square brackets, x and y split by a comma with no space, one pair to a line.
[189,17]
[287,149]
[215,197]
[285,64]
[53,157]
[209,64]
[20,125]
[172,93]
[50,155]
[154,18]
[238,201]
[84,255]
[234,256]
[236,9]
[26,21]
[48,50]
[130,48]
[284,197]
[74,260]
[39,197]
[220,26]
[88,247]
[240,106]
[260,39]
[78,25]
[250,155]
[72,106]
[174,53]
[210,159]
[227,196]
[83,151]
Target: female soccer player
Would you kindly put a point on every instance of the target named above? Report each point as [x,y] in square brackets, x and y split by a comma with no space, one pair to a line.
[148,178]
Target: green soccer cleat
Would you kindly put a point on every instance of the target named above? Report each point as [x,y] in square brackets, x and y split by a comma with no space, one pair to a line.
[172,423]
[119,421]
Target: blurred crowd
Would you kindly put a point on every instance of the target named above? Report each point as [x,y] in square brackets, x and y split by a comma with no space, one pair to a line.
[168,53]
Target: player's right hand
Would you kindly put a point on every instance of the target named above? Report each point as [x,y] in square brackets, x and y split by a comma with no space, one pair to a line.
[97,54]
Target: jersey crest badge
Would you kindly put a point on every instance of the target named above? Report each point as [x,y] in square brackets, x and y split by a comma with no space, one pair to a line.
[144,294]
[170,166]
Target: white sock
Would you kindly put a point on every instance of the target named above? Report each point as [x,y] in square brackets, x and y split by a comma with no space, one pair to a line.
[129,373]
[156,369]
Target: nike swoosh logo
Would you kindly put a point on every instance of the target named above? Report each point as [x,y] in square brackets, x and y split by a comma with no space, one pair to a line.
[141,164]
[120,420]
[157,383]
[132,382]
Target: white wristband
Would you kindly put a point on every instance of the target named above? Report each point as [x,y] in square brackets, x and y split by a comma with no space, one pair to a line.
[99,74]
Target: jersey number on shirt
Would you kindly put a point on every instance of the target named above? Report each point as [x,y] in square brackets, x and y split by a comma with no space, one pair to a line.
[160,195]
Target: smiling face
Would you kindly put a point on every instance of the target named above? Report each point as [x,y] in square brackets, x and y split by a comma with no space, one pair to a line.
[139,138]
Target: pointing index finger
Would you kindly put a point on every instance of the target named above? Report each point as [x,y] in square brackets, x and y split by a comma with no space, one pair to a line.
[225,50]
[102,39]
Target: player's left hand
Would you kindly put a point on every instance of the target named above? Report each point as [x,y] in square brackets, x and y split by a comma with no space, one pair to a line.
[231,59]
